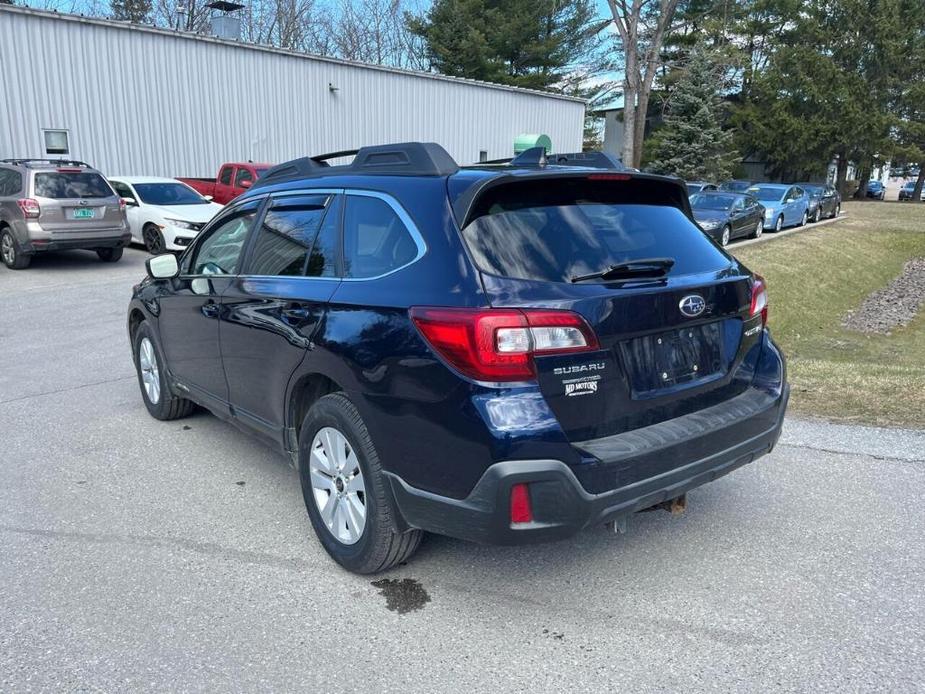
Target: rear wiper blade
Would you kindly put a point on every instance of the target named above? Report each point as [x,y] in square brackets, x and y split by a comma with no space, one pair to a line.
[645,267]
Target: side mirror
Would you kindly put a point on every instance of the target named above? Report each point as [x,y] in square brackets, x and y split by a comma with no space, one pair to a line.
[246,184]
[162,267]
[208,198]
[131,202]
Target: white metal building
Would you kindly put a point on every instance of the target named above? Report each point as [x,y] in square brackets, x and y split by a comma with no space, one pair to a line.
[134,99]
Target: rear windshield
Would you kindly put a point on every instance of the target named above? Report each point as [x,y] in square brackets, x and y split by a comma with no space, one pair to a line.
[84,184]
[766,193]
[527,239]
[735,186]
[712,202]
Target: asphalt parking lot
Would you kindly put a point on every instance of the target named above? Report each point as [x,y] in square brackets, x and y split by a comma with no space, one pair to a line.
[140,555]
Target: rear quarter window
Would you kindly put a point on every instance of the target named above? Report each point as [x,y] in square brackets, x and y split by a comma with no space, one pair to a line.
[61,185]
[526,239]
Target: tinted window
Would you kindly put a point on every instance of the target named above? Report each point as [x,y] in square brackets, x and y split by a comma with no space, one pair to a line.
[735,186]
[766,193]
[286,236]
[376,241]
[557,242]
[225,176]
[10,182]
[323,259]
[243,176]
[121,189]
[169,194]
[220,251]
[700,201]
[56,184]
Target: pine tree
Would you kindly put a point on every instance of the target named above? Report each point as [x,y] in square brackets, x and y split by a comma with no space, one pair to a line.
[131,10]
[692,143]
[537,44]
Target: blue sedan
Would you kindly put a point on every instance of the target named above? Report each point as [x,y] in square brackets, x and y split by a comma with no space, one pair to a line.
[784,205]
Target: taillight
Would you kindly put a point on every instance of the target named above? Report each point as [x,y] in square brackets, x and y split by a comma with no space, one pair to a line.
[521,510]
[760,298]
[30,208]
[121,205]
[500,344]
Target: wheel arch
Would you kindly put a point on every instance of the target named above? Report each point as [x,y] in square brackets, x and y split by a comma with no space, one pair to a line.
[304,393]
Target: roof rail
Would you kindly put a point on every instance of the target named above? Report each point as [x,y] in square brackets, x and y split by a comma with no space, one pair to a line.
[401,159]
[537,157]
[57,162]
[594,160]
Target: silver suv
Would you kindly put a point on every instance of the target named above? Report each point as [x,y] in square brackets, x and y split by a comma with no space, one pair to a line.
[50,205]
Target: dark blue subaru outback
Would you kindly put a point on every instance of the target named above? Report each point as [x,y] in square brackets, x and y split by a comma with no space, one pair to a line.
[504,353]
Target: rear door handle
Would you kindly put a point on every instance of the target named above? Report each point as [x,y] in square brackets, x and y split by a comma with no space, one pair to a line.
[210,309]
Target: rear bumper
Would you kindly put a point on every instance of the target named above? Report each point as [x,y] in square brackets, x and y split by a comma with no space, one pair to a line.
[562,506]
[119,240]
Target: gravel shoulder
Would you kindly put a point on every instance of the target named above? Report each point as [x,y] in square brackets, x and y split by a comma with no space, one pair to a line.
[893,306]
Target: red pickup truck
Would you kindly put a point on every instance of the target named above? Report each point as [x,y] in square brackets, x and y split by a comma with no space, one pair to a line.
[233,179]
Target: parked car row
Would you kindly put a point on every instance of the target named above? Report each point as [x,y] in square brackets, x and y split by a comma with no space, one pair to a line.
[733,209]
[56,204]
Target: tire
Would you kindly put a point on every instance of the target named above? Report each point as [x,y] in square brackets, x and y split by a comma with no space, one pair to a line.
[153,239]
[804,219]
[161,403]
[837,211]
[725,236]
[817,217]
[109,255]
[759,229]
[363,544]
[779,224]
[12,257]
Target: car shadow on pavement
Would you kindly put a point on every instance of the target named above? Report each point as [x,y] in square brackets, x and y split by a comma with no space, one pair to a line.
[77,261]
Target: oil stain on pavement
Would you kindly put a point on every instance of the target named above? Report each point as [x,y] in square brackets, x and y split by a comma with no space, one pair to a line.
[402,595]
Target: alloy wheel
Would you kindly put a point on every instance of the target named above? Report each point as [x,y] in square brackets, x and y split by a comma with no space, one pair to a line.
[759,230]
[803,220]
[337,485]
[150,376]
[818,215]
[779,224]
[7,249]
[152,239]
[725,239]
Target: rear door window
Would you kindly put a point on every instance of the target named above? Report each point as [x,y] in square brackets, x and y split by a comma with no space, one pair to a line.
[287,234]
[562,233]
[61,185]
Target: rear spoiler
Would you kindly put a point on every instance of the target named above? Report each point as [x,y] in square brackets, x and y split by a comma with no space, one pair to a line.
[640,188]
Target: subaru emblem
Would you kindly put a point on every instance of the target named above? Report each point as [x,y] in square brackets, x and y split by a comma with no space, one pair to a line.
[692,305]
